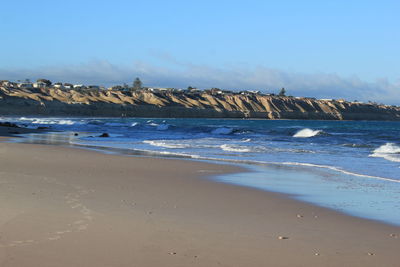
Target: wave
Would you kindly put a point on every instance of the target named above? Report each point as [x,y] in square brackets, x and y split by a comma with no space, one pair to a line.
[165,144]
[163,127]
[116,124]
[142,152]
[306,132]
[222,130]
[357,145]
[235,148]
[388,151]
[336,169]
[333,168]
[47,121]
[159,127]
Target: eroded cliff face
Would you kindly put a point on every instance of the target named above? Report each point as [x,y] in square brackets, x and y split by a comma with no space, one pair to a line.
[55,102]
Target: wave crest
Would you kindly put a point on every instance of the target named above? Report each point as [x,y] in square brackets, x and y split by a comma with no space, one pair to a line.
[235,148]
[306,132]
[47,121]
[388,151]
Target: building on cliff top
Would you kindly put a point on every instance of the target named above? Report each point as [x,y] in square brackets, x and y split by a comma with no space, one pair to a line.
[39,85]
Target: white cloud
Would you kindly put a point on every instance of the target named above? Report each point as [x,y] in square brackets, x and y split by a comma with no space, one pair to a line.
[320,85]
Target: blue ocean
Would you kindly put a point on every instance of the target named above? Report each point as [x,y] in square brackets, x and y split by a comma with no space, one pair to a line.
[349,166]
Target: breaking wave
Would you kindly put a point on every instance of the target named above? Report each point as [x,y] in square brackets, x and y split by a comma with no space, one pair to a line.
[388,151]
[305,133]
[47,121]
[235,148]
[159,127]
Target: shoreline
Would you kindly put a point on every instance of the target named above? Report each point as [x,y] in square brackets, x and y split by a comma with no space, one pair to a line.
[248,168]
[14,131]
[219,222]
[253,168]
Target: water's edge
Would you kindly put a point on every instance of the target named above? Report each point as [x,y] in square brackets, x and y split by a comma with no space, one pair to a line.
[336,190]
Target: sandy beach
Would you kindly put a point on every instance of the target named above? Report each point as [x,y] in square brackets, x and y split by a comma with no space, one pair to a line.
[72,207]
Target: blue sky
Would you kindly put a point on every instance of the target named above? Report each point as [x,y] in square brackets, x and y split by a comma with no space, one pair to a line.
[323,48]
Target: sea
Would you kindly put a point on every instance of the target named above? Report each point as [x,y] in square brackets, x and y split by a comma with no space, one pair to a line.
[350,166]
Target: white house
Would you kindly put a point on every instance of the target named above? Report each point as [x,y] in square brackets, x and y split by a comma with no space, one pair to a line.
[68,86]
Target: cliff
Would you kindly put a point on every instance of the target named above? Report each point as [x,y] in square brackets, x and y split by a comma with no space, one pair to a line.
[55,102]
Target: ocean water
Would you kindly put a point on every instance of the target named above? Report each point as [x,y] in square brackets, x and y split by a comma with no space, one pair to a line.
[353,167]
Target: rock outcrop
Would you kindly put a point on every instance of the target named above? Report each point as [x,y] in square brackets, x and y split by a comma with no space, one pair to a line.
[55,102]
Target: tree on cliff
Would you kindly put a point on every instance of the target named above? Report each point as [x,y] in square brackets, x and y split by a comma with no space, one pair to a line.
[137,84]
[282,92]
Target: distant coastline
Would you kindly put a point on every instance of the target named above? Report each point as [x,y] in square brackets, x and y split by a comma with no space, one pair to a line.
[44,98]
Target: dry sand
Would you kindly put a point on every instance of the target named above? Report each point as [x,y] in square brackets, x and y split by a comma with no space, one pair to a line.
[71,207]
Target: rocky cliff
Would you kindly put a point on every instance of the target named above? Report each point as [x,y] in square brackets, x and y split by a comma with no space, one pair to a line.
[55,102]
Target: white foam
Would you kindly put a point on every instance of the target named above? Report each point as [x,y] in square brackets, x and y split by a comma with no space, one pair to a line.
[60,122]
[306,132]
[388,151]
[160,127]
[235,148]
[47,121]
[164,144]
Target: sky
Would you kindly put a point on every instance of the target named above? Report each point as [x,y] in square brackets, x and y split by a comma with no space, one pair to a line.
[327,49]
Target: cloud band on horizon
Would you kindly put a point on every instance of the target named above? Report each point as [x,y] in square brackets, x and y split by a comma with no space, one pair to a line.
[268,80]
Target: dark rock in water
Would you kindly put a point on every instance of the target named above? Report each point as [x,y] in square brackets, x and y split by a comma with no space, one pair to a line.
[42,128]
[104,135]
[8,124]
[76,134]
[14,132]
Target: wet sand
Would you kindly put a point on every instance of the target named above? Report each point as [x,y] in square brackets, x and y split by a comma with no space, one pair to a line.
[72,207]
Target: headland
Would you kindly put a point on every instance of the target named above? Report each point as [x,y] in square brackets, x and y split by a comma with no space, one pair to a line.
[68,100]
